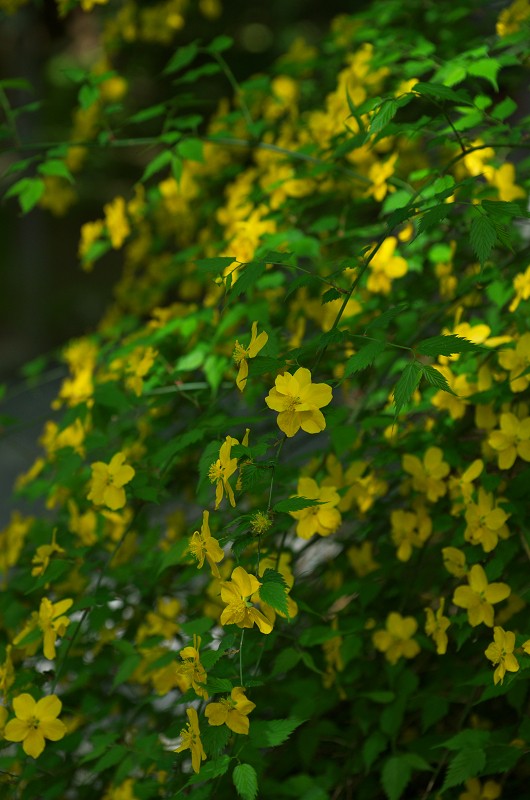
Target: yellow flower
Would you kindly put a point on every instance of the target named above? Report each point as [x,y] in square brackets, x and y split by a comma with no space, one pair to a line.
[378,173]
[271,562]
[521,284]
[85,525]
[12,539]
[116,222]
[191,739]
[260,522]
[232,712]
[512,440]
[192,668]
[454,561]
[223,468]
[508,22]
[456,406]
[504,180]
[51,622]
[436,627]
[203,545]
[361,559]
[90,233]
[162,622]
[409,529]
[385,266]
[35,722]
[500,652]
[397,640]
[108,481]
[239,610]
[324,519]
[516,361]
[299,402]
[7,674]
[462,486]
[241,354]
[43,555]
[427,477]
[475,790]
[138,365]
[478,598]
[485,523]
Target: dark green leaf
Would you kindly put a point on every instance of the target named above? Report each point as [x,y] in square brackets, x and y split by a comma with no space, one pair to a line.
[160,161]
[215,265]
[364,357]
[373,746]
[111,757]
[261,365]
[383,320]
[148,113]
[317,634]
[198,626]
[55,167]
[285,660]
[497,209]
[483,236]
[126,669]
[435,378]
[433,216]
[394,776]
[247,277]
[502,235]
[214,739]
[275,596]
[406,386]
[447,346]
[220,44]
[295,504]
[467,763]
[192,149]
[174,555]
[331,294]
[383,116]
[442,92]
[181,58]
[274,732]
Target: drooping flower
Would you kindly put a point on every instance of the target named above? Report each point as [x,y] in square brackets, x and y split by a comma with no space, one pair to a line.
[221,470]
[108,480]
[35,722]
[239,610]
[396,640]
[436,626]
[192,667]
[324,519]
[232,712]
[478,598]
[512,440]
[204,545]
[241,354]
[191,740]
[298,402]
[485,522]
[500,652]
[454,561]
[427,476]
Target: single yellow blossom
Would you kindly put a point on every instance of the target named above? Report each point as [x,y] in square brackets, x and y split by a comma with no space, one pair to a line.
[521,284]
[409,529]
[462,485]
[378,174]
[512,440]
[35,722]
[500,652]
[516,361]
[299,402]
[204,545]
[455,403]
[42,557]
[241,354]
[385,266]
[52,623]
[427,476]
[504,180]
[436,626]
[284,568]
[475,791]
[192,667]
[485,522]
[239,609]
[191,740]
[116,221]
[108,481]
[323,519]
[454,561]
[396,640]
[361,559]
[221,470]
[478,598]
[509,22]
[232,712]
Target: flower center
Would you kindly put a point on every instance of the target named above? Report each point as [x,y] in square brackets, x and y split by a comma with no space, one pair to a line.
[215,473]
[240,353]
[292,403]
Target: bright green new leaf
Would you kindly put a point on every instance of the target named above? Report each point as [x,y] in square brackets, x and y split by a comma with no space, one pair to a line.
[245,781]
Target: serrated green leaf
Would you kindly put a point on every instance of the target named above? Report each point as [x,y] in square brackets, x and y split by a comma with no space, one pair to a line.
[395,776]
[218,685]
[245,781]
[273,576]
[406,386]
[295,504]
[214,739]
[373,746]
[433,216]
[197,626]
[435,378]
[247,277]
[502,235]
[112,757]
[469,738]
[215,265]
[275,596]
[447,346]
[383,320]
[485,68]
[467,763]
[363,358]
[273,732]
[285,660]
[383,116]
[498,209]
[483,236]
[309,661]
[331,294]
[261,365]
[441,92]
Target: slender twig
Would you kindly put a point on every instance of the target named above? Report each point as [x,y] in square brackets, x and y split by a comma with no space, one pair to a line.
[234,84]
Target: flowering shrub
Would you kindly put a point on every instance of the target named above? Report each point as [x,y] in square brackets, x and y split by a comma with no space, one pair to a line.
[286,541]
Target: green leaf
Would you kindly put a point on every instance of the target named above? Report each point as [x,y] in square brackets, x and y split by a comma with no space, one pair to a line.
[433,216]
[469,738]
[148,113]
[308,660]
[468,763]
[220,44]
[435,378]
[218,685]
[485,68]
[88,95]
[383,320]
[111,757]
[261,365]
[192,149]
[497,209]
[29,191]
[160,161]
[17,83]
[483,236]
[211,657]
[56,167]
[215,265]
[275,596]
[285,661]
[433,709]
[406,386]
[447,346]
[174,555]
[394,776]
[194,74]
[296,504]
[373,747]
[502,235]
[210,769]
[179,443]
[501,758]
[126,669]
[215,738]
[197,626]
[504,109]
[247,278]
[245,781]
[331,294]
[317,634]
[364,357]
[273,732]
[181,58]
[380,697]
[383,116]
[53,572]
[442,92]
